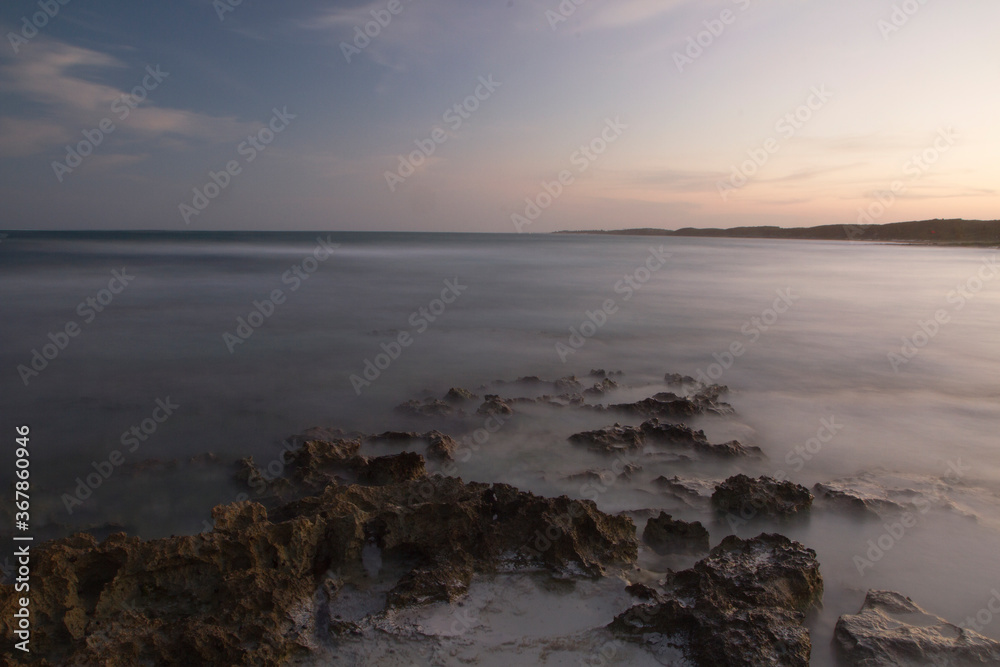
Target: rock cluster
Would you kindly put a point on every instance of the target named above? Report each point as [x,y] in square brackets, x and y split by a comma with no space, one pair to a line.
[617,438]
[245,593]
[742,606]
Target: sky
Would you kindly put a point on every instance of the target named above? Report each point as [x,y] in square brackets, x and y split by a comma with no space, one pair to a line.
[520,116]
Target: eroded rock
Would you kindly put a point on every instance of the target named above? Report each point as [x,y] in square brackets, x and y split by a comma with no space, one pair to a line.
[666,535]
[742,606]
[763,496]
[892,630]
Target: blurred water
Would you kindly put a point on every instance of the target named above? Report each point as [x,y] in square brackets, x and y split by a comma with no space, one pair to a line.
[825,357]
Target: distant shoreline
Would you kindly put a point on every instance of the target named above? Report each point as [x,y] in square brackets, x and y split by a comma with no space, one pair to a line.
[926,232]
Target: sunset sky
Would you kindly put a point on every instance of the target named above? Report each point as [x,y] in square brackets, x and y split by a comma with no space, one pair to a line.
[836,101]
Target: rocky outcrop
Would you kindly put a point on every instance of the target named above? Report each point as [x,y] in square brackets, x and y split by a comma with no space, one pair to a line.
[439,447]
[246,592]
[459,395]
[763,496]
[891,630]
[617,438]
[666,535]
[742,606]
[494,405]
[428,408]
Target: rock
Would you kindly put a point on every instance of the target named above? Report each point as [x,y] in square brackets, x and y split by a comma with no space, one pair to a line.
[742,606]
[206,459]
[891,630]
[394,436]
[678,379]
[459,395]
[611,440]
[763,496]
[643,592]
[568,384]
[440,447]
[666,535]
[858,496]
[616,439]
[255,590]
[601,388]
[494,405]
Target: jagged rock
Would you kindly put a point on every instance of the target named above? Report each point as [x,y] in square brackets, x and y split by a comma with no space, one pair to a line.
[618,438]
[861,497]
[678,379]
[459,395]
[394,436]
[742,606]
[247,592]
[494,405]
[601,388]
[666,535]
[891,630]
[643,592]
[611,440]
[440,447]
[763,496]
[604,476]
[568,384]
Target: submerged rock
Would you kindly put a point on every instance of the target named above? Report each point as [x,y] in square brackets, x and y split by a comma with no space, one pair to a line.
[617,438]
[742,606]
[666,535]
[494,405]
[459,395]
[891,630]
[763,496]
[248,591]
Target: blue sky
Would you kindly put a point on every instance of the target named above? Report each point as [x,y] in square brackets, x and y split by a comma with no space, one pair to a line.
[788,112]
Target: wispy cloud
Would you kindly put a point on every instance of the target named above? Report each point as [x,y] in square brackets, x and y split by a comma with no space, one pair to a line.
[57,85]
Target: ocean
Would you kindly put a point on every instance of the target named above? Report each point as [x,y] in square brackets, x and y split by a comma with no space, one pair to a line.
[129,354]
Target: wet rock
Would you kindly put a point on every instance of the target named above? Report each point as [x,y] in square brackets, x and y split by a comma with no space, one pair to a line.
[649,408]
[688,491]
[611,440]
[858,496]
[891,630]
[763,496]
[459,395]
[678,379]
[742,606]
[618,438]
[666,535]
[247,592]
[440,447]
[494,405]
[643,592]
[606,476]
[568,384]
[601,388]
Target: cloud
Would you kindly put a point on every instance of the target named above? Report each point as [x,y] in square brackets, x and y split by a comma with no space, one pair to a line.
[56,86]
